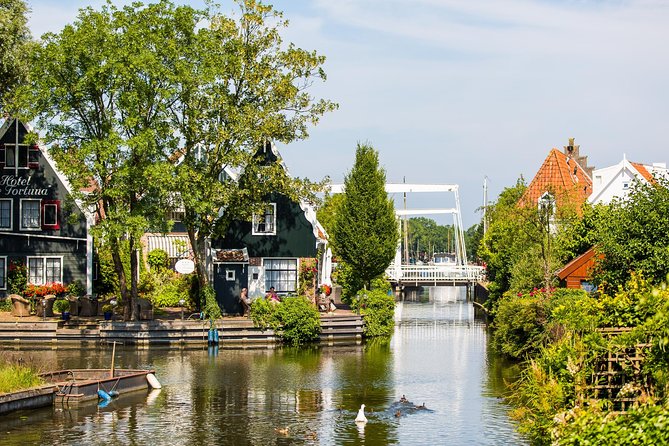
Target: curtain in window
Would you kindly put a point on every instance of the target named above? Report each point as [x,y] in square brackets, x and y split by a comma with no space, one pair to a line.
[30,214]
[53,270]
[36,270]
[281,274]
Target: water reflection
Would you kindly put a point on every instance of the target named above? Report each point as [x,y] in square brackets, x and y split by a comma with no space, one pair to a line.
[437,356]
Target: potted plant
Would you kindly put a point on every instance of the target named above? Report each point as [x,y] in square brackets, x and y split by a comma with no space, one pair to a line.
[62,306]
[107,311]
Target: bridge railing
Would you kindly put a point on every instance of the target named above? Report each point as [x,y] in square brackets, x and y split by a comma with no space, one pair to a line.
[435,273]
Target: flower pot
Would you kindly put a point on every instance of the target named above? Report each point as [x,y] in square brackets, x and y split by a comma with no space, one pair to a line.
[107,315]
[65,315]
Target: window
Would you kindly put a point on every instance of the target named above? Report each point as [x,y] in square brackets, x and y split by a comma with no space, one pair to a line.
[265,224]
[626,185]
[3,273]
[6,213]
[27,157]
[50,214]
[230,275]
[43,270]
[30,214]
[281,274]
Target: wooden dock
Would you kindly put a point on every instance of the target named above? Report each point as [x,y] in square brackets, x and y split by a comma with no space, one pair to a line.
[232,331]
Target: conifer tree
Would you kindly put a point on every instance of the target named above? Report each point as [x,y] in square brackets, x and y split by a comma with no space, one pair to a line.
[365,231]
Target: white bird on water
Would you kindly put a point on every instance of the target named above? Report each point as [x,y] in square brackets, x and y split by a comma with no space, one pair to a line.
[361,418]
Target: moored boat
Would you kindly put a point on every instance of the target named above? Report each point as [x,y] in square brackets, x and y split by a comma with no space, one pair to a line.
[76,385]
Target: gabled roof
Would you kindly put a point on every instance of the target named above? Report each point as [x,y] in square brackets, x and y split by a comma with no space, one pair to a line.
[560,174]
[580,261]
[643,172]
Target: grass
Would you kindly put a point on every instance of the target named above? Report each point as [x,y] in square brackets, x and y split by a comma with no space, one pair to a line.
[14,377]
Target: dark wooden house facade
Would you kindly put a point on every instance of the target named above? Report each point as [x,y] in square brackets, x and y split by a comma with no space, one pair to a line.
[41,226]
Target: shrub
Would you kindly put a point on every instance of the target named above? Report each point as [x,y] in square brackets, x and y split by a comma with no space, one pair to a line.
[378,309]
[17,277]
[211,308]
[300,321]
[5,304]
[644,425]
[166,288]
[294,320]
[76,288]
[61,305]
[158,259]
[519,325]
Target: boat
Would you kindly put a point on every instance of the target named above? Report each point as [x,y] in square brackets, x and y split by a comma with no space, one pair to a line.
[76,385]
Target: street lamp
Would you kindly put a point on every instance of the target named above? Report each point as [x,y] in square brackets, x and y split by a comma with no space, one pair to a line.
[181,304]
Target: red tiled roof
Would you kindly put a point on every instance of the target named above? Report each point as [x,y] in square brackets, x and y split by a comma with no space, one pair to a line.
[644,172]
[562,176]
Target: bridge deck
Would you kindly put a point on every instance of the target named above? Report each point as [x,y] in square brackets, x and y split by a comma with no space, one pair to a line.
[425,275]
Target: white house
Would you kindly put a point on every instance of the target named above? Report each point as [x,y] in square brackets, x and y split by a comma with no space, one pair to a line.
[616,181]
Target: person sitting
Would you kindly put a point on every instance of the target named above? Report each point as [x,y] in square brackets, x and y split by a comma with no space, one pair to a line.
[245,301]
[272,296]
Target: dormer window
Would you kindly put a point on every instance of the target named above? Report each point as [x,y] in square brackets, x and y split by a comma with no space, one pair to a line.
[547,210]
[265,223]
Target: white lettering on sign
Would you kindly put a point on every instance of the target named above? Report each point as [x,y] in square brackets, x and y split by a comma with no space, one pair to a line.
[20,186]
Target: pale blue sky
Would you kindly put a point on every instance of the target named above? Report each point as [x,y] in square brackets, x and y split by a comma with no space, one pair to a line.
[450,91]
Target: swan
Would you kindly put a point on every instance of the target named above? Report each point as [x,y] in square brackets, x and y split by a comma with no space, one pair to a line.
[361,418]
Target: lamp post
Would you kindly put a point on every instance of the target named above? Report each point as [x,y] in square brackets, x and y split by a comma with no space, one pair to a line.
[181,304]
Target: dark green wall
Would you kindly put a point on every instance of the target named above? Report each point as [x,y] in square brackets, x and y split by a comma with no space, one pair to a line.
[294,234]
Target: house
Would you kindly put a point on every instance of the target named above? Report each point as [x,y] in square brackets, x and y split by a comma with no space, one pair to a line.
[564,177]
[41,225]
[576,274]
[273,250]
[616,181]
[269,251]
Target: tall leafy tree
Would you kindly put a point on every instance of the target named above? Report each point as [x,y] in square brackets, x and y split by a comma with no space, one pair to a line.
[633,236]
[99,94]
[15,42]
[236,86]
[366,232]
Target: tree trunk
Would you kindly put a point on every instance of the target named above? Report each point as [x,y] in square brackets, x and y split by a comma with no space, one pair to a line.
[118,268]
[134,313]
[198,244]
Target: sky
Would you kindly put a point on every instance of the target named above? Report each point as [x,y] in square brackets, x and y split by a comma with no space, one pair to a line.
[455,91]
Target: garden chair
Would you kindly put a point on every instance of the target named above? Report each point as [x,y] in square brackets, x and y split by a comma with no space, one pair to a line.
[46,308]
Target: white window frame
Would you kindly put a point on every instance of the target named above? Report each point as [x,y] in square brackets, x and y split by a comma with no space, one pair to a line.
[3,271]
[230,275]
[16,156]
[257,221]
[42,280]
[39,207]
[11,214]
[268,282]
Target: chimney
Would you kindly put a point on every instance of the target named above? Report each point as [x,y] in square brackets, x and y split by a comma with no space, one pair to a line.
[572,151]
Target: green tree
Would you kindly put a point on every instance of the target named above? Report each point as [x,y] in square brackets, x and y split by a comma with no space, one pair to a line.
[15,42]
[99,95]
[633,236]
[235,85]
[366,231]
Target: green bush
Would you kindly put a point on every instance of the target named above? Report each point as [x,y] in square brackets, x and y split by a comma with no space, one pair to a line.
[211,309]
[294,320]
[158,259]
[300,321]
[5,304]
[17,277]
[519,325]
[644,425]
[61,305]
[378,309]
[76,288]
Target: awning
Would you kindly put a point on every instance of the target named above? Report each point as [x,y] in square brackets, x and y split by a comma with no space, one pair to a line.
[176,246]
[230,255]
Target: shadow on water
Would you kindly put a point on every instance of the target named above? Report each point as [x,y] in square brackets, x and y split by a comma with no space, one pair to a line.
[437,357]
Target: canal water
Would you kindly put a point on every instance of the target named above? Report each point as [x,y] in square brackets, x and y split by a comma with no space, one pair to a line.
[438,358]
